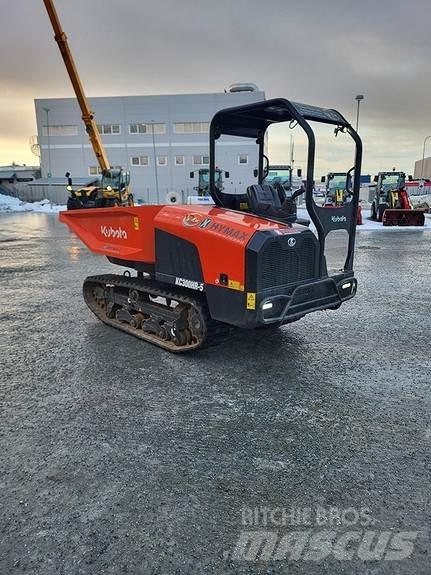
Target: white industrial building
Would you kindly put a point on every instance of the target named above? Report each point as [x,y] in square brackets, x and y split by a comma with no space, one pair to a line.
[423,169]
[159,139]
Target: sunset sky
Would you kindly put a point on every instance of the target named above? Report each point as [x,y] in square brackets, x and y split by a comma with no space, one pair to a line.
[321,53]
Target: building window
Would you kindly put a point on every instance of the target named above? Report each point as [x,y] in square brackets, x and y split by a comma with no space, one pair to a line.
[162,160]
[60,130]
[97,170]
[243,159]
[109,129]
[179,160]
[191,127]
[201,160]
[147,128]
[140,161]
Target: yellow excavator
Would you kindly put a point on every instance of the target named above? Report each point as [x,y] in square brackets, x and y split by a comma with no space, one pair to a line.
[114,187]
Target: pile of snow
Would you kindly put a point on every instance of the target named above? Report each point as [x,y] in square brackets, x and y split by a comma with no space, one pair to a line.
[9,204]
[421,201]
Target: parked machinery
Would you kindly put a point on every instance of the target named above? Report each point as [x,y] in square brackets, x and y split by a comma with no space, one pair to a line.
[391,204]
[203,183]
[279,175]
[114,188]
[339,191]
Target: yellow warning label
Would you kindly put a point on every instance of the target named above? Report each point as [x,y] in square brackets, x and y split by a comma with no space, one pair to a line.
[251,300]
[234,284]
[136,223]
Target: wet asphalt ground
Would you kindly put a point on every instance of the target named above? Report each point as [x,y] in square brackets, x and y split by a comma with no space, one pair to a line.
[117,457]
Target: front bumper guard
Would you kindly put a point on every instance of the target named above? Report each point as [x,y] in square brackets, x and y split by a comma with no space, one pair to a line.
[306,298]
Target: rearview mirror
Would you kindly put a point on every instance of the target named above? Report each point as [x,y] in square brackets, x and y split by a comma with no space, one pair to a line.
[226,175]
[323,179]
[299,173]
[376,179]
[255,173]
[192,175]
[410,178]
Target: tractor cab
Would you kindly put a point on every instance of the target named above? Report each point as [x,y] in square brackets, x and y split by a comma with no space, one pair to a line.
[277,176]
[389,181]
[115,180]
[338,188]
[204,180]
[113,191]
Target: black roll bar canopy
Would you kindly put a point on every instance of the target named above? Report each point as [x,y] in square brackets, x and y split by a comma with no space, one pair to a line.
[253,120]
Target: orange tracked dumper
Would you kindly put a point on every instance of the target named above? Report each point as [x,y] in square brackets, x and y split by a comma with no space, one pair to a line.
[245,262]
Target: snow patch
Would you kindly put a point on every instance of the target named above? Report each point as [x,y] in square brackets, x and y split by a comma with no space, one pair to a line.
[10,204]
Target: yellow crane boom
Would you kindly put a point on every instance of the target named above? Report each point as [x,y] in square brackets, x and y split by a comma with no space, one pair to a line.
[87,114]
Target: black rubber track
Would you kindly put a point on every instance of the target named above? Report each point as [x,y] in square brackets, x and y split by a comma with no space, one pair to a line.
[214,332]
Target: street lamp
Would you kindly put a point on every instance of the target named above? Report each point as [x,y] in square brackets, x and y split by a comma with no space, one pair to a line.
[155,160]
[358,98]
[423,156]
[49,147]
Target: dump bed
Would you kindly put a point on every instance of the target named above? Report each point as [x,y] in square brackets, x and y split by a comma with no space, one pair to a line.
[123,232]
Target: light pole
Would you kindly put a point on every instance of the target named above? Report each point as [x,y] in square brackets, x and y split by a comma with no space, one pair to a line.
[358,98]
[49,147]
[155,160]
[423,156]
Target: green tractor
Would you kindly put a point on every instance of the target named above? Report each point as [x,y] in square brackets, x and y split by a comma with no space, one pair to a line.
[204,180]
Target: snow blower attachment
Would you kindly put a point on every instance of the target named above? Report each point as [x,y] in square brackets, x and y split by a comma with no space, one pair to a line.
[391,204]
[245,262]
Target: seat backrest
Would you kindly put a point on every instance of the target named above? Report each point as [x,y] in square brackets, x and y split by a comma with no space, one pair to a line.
[262,198]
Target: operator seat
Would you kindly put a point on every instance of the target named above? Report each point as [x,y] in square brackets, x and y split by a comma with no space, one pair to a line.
[265,201]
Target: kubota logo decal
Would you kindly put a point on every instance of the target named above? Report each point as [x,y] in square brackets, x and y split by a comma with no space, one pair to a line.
[110,232]
[338,219]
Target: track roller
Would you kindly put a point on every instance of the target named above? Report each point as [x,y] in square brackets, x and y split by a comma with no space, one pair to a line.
[171,319]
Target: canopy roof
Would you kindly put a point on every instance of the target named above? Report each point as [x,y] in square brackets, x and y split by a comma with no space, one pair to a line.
[252,120]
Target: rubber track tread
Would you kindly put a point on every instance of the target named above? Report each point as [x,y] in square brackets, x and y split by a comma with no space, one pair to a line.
[215,332]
